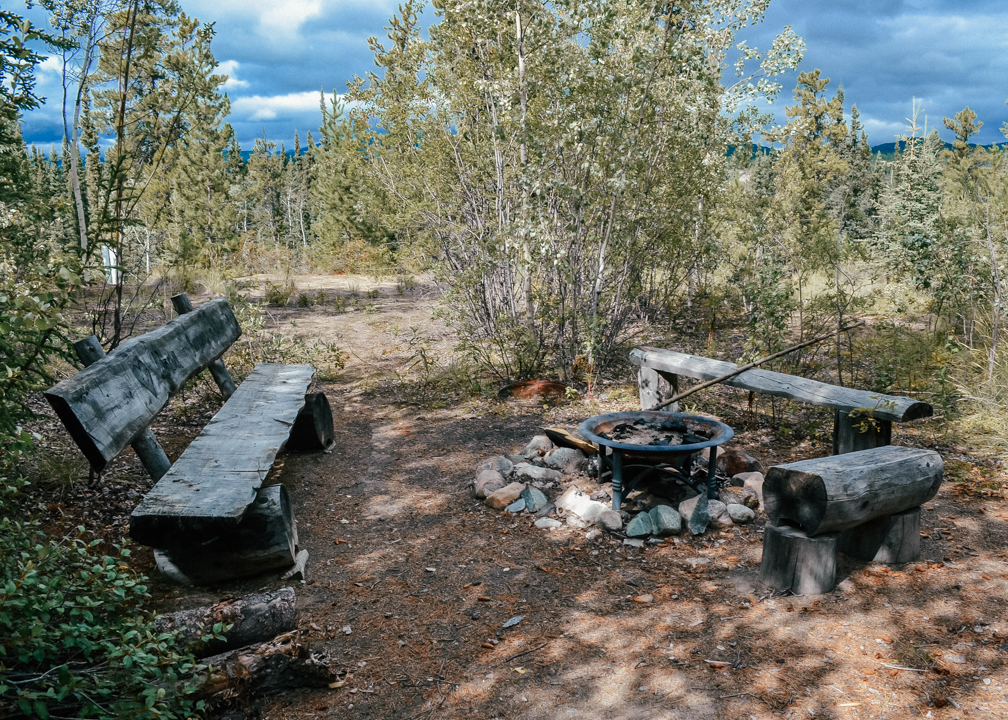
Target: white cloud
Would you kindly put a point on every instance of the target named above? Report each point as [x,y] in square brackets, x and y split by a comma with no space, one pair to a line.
[51,66]
[259,107]
[230,68]
[284,18]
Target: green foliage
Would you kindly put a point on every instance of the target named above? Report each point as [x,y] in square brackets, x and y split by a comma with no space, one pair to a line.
[75,636]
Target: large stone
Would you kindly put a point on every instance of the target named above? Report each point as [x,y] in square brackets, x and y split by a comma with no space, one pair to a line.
[529,472]
[640,526]
[610,520]
[734,461]
[718,513]
[739,480]
[569,461]
[666,521]
[575,521]
[537,447]
[756,485]
[488,481]
[694,510]
[516,507]
[576,502]
[534,499]
[731,495]
[500,463]
[500,499]
[740,514]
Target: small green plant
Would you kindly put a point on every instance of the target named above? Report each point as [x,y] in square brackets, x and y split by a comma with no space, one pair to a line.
[304,300]
[279,295]
[372,294]
[405,283]
[76,637]
[320,298]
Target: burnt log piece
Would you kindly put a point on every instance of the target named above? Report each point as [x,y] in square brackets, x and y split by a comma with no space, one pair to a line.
[793,561]
[146,446]
[106,406]
[280,664]
[253,619]
[843,491]
[893,539]
[313,427]
[207,490]
[265,541]
[218,372]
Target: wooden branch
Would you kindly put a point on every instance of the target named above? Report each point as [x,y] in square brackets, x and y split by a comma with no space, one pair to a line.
[750,366]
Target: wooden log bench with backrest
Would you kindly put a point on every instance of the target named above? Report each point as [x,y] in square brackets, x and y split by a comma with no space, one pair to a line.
[862,419]
[863,501]
[207,515]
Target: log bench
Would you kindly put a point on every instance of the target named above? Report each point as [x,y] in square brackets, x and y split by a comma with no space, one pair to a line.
[207,515]
[862,419]
[865,504]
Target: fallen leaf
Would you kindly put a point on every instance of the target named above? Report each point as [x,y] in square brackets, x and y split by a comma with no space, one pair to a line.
[519,670]
[488,646]
[717,663]
[646,598]
[985,576]
[483,598]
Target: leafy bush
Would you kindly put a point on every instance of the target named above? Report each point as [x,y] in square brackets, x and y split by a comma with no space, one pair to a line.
[75,636]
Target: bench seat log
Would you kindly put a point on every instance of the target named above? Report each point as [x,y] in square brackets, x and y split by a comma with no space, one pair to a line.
[843,491]
[108,405]
[889,408]
[265,541]
[209,487]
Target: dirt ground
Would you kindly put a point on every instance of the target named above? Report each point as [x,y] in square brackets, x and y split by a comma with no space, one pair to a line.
[425,577]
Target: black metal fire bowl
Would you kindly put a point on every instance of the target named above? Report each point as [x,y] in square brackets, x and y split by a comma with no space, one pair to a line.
[696,434]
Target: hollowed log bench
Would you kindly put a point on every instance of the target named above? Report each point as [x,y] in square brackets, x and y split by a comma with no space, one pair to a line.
[865,504]
[207,516]
[862,419]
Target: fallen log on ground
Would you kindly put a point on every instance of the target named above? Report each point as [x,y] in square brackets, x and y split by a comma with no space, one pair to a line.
[280,664]
[253,619]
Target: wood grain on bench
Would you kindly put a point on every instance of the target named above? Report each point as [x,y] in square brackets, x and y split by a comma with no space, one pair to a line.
[209,487]
[109,404]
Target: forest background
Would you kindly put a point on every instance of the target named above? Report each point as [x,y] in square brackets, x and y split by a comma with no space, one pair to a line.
[574,177]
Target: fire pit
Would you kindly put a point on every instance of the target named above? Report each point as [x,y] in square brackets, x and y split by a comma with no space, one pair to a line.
[657,440]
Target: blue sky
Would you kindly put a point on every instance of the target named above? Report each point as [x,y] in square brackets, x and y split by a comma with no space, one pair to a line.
[279,54]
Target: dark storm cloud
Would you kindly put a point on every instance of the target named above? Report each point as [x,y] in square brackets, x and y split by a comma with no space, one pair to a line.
[884,53]
[946,54]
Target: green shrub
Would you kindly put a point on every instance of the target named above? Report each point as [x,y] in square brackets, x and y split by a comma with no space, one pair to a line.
[75,636]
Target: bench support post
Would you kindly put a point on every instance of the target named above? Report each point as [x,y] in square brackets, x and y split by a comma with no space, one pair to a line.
[893,539]
[146,446]
[656,385]
[794,561]
[847,435]
[217,370]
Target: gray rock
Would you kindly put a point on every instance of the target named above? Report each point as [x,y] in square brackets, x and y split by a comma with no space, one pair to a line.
[610,520]
[546,509]
[741,514]
[666,521]
[739,480]
[546,523]
[634,542]
[516,507]
[537,447]
[569,461]
[592,534]
[731,496]
[516,459]
[500,499]
[528,472]
[640,526]
[534,499]
[733,461]
[750,499]
[756,485]
[487,482]
[500,463]
[696,510]
[718,513]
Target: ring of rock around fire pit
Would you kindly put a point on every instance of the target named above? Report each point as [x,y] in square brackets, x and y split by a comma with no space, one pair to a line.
[654,438]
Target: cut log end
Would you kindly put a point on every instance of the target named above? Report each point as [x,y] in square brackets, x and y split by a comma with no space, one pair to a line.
[793,561]
[313,428]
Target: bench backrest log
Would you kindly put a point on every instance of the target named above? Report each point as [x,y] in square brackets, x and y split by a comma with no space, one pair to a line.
[881,407]
[109,404]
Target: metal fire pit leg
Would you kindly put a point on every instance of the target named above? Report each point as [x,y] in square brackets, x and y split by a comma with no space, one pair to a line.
[617,479]
[711,474]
